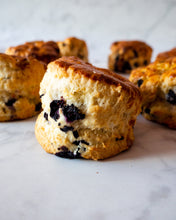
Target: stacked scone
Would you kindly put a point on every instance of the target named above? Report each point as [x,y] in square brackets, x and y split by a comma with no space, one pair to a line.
[87,112]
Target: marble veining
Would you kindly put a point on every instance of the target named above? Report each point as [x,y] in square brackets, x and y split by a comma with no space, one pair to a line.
[139,184]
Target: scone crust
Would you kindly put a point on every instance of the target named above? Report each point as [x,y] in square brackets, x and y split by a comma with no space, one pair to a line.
[161,57]
[107,102]
[157,83]
[42,51]
[130,54]
[19,85]
[73,46]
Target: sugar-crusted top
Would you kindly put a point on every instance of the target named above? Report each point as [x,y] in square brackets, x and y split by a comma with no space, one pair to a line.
[85,69]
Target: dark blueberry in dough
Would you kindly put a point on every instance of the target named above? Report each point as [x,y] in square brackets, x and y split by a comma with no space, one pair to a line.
[119,139]
[67,128]
[171,97]
[54,106]
[116,64]
[84,142]
[139,82]
[145,62]
[81,141]
[75,134]
[72,113]
[41,95]
[135,53]
[136,64]
[10,102]
[147,110]
[46,116]
[126,66]
[38,107]
[65,153]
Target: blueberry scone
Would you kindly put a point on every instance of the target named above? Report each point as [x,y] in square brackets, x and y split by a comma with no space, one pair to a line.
[74,47]
[161,57]
[42,51]
[157,83]
[19,87]
[128,55]
[88,112]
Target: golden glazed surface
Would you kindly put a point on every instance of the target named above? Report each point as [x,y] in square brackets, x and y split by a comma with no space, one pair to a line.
[106,103]
[157,83]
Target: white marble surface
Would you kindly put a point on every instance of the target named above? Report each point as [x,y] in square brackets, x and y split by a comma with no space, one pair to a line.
[139,184]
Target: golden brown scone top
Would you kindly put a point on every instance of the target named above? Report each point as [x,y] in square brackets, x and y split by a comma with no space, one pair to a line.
[139,46]
[42,51]
[73,46]
[161,57]
[78,66]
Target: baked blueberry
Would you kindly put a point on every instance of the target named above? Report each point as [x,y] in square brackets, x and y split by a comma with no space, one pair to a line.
[75,134]
[67,128]
[10,102]
[72,113]
[139,82]
[65,153]
[38,107]
[171,97]
[54,107]
[45,116]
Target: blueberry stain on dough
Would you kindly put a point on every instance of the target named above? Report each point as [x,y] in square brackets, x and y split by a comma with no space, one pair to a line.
[126,66]
[136,64]
[147,111]
[75,134]
[41,95]
[145,62]
[67,128]
[139,82]
[65,153]
[45,116]
[171,97]
[116,64]
[10,102]
[80,142]
[38,106]
[135,53]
